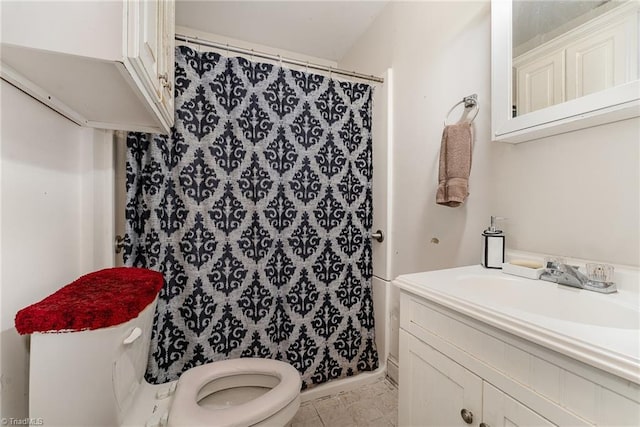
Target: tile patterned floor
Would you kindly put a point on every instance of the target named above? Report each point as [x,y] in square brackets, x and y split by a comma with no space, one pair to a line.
[373,405]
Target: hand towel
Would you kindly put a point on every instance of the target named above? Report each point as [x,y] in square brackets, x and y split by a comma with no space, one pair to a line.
[455,164]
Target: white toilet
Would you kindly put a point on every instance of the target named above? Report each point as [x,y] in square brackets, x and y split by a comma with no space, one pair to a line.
[91,378]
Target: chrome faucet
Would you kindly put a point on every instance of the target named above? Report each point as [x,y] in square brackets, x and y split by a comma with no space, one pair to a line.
[569,275]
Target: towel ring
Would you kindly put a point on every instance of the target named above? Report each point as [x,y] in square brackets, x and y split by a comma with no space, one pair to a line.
[470,102]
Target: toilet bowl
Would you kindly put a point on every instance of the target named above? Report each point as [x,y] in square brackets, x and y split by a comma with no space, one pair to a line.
[100,374]
[240,392]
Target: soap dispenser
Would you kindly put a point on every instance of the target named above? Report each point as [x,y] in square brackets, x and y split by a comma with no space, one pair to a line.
[493,245]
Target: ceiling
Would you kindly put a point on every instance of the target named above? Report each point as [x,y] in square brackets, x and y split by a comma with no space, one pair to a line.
[533,18]
[324,29]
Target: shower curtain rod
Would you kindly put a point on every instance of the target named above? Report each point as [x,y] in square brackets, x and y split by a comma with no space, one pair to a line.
[264,55]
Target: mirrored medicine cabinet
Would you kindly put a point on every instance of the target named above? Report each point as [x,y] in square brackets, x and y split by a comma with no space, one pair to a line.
[559,66]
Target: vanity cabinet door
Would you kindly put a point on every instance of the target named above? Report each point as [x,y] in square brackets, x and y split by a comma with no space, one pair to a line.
[500,410]
[434,390]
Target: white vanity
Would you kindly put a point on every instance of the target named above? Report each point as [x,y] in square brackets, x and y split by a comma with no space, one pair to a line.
[479,347]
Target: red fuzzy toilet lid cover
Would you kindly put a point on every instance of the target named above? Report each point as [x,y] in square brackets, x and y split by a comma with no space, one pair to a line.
[97,300]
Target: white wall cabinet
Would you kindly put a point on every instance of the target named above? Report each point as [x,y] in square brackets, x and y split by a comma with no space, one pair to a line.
[101,64]
[598,55]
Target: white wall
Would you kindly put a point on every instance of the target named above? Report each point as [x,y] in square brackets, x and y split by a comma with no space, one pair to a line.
[55,188]
[575,194]
[439,53]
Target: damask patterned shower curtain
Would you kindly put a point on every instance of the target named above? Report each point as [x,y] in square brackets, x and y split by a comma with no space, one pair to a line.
[257,210]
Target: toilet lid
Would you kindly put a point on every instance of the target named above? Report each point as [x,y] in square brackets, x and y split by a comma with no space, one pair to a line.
[185,410]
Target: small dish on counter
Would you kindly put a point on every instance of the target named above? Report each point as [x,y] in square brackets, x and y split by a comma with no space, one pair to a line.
[523,268]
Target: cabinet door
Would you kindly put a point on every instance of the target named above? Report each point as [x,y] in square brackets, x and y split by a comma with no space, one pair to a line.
[149,53]
[600,61]
[500,410]
[540,83]
[145,32]
[434,390]
[166,66]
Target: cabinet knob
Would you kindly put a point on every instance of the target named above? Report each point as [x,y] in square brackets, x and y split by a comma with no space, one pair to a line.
[467,416]
[164,80]
[119,244]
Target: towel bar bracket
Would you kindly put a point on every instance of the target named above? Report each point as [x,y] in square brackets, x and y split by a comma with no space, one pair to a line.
[470,102]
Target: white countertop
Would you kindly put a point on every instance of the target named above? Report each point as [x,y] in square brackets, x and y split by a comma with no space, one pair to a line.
[602,330]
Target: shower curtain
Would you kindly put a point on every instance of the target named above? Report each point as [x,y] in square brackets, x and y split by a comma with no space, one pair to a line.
[257,210]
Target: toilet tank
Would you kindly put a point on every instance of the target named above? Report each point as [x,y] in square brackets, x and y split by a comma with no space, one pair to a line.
[89,378]
[89,346]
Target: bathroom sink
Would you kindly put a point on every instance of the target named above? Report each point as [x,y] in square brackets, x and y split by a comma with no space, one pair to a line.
[544,299]
[599,329]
